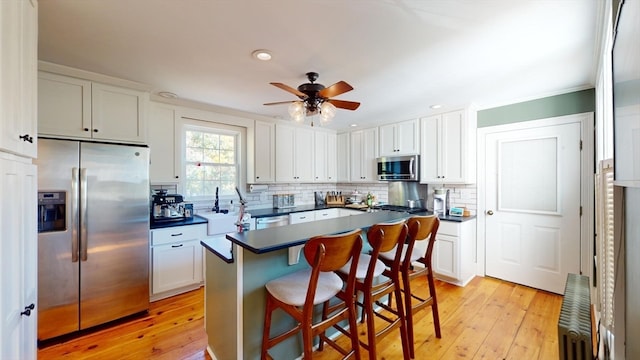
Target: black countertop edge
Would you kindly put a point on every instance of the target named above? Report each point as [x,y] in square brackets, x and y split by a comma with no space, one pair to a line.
[195,220]
[219,246]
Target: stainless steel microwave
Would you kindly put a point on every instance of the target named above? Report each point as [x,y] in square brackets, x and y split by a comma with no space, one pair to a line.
[398,168]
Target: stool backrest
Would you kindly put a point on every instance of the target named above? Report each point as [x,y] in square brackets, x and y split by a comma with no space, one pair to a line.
[386,237]
[328,253]
[422,228]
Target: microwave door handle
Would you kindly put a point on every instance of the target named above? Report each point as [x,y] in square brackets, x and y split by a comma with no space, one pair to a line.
[83,212]
[411,168]
[74,215]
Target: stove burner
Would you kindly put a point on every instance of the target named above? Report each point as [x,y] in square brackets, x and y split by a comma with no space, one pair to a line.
[401,208]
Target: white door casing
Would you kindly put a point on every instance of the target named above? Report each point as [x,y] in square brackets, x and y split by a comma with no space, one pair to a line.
[535,179]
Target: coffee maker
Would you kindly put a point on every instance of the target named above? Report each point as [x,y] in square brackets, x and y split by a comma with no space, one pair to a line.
[440,201]
[167,207]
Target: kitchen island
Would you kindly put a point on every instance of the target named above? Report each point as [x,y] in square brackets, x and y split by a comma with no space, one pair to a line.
[237,270]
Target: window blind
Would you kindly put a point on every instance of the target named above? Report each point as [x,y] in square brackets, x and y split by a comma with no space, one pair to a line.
[605,258]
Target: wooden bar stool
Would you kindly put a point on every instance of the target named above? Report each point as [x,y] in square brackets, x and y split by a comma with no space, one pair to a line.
[382,238]
[297,293]
[421,228]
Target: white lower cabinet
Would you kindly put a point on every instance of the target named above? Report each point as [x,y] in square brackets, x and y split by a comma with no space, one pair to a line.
[176,260]
[18,258]
[453,254]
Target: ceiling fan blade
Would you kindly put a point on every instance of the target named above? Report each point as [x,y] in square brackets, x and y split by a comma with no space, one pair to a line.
[280,102]
[290,89]
[336,89]
[342,104]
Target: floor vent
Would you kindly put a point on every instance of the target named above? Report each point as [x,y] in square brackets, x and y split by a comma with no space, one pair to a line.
[574,324]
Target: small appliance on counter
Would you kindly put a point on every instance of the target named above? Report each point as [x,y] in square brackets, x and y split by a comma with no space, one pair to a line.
[440,201]
[283,201]
[168,207]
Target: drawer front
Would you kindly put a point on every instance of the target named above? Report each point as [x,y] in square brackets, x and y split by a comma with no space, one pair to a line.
[178,234]
[301,217]
[449,228]
[326,214]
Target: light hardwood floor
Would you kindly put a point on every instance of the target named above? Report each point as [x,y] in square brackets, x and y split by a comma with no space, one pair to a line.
[487,319]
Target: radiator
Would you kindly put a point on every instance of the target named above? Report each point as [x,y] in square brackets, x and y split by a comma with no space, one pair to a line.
[574,324]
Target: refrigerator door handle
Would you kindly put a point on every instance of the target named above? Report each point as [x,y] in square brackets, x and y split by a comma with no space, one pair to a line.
[74,214]
[83,214]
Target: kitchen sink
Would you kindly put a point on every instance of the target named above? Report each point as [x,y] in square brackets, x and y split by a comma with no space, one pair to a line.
[219,223]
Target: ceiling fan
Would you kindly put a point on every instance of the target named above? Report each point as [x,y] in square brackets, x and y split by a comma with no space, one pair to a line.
[316,98]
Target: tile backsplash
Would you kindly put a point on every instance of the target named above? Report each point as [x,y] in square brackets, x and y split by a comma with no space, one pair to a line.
[460,195]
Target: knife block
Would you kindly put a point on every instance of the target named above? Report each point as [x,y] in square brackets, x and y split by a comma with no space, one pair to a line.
[334,200]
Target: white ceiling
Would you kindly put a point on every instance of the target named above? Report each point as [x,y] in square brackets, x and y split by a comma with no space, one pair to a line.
[401,56]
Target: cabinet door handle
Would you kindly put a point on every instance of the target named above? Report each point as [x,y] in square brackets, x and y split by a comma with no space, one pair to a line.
[27,309]
[490,212]
[95,130]
[176,246]
[26,138]
[86,129]
[178,234]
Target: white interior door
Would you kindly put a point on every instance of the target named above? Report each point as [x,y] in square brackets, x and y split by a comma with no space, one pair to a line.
[533,205]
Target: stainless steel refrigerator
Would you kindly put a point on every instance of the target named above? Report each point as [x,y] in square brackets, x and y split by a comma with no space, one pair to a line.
[93,226]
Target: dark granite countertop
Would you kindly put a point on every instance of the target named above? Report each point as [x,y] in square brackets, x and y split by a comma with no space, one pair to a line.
[276,238]
[270,212]
[195,220]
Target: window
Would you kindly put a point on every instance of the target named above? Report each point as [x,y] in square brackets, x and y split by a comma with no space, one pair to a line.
[211,161]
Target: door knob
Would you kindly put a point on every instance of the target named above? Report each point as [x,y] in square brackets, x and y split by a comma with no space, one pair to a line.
[490,212]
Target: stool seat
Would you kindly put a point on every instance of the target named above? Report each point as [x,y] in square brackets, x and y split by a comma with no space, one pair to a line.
[389,255]
[292,289]
[363,267]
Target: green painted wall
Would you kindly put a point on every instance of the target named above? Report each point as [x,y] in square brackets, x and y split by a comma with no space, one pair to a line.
[552,106]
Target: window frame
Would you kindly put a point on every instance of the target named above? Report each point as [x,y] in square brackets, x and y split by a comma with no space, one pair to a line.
[190,124]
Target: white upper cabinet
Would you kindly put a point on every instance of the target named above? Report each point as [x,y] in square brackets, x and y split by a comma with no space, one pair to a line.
[162,166]
[332,157]
[263,139]
[117,113]
[18,75]
[400,138]
[325,157]
[294,154]
[76,108]
[447,151]
[342,161]
[364,150]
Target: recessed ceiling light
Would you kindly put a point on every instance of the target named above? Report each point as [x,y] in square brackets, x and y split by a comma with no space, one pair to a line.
[436,106]
[167,94]
[354,125]
[264,55]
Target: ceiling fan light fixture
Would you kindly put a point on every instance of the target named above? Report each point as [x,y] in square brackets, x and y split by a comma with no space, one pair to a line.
[327,111]
[261,54]
[297,111]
